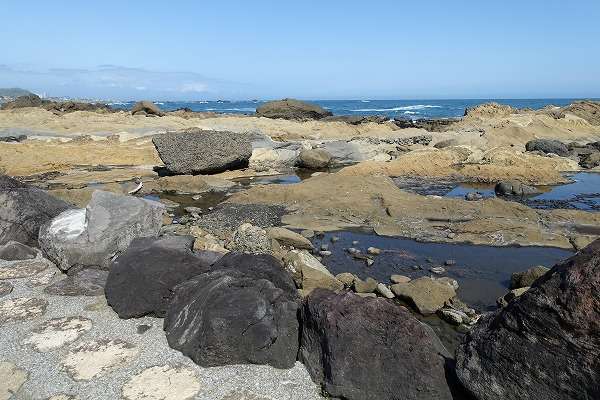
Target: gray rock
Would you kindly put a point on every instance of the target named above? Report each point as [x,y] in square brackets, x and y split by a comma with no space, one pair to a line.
[13,251]
[314,159]
[547,146]
[287,237]
[86,282]
[526,278]
[473,196]
[13,138]
[291,109]
[24,209]
[5,288]
[195,151]
[236,314]
[515,188]
[95,235]
[370,348]
[142,279]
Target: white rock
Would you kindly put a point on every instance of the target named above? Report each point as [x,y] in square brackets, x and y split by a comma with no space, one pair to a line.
[89,360]
[21,309]
[162,383]
[57,332]
[11,380]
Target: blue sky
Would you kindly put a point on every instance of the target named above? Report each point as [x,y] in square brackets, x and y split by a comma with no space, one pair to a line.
[307,49]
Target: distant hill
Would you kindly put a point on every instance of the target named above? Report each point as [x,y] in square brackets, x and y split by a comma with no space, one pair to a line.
[13,92]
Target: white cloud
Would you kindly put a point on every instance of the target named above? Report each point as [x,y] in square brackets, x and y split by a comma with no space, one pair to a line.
[194,87]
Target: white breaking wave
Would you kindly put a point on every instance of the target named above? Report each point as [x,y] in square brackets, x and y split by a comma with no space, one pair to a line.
[411,112]
[403,108]
[246,109]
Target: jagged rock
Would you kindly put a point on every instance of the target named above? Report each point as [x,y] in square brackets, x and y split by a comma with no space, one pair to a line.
[526,278]
[95,235]
[547,146]
[244,311]
[314,159]
[370,348]
[291,109]
[24,210]
[146,108]
[511,295]
[427,294]
[544,344]
[309,273]
[194,151]
[142,279]
[289,238]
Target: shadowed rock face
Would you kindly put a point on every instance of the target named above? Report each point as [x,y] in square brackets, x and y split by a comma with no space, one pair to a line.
[292,109]
[195,151]
[142,279]
[370,348]
[543,345]
[23,210]
[236,315]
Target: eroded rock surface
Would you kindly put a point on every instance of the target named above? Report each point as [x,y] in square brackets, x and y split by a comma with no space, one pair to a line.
[57,332]
[162,383]
[11,379]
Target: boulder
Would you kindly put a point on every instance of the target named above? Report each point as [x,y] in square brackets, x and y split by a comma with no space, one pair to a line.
[427,294]
[195,151]
[591,160]
[13,251]
[146,108]
[515,188]
[236,315]
[547,146]
[95,235]
[291,109]
[250,239]
[526,278]
[24,209]
[142,279]
[544,344]
[289,238]
[309,273]
[370,348]
[367,286]
[314,159]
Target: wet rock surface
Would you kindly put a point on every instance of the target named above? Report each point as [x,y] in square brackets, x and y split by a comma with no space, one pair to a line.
[553,327]
[257,318]
[393,355]
[196,151]
[142,279]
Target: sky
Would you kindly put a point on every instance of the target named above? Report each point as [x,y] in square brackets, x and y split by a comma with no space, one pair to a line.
[328,49]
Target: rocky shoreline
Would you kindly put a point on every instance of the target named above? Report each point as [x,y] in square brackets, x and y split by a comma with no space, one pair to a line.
[129,234]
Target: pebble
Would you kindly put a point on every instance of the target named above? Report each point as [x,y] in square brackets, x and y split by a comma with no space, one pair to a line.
[193,210]
[325,253]
[451,235]
[353,250]
[369,261]
[196,197]
[334,239]
[438,270]
[374,251]
[384,291]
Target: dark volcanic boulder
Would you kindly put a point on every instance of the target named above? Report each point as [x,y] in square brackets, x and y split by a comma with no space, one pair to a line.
[292,109]
[30,100]
[23,209]
[235,316]
[370,349]
[142,279]
[146,108]
[543,345]
[195,151]
[547,146]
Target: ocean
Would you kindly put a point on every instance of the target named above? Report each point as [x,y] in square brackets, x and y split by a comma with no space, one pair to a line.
[409,109]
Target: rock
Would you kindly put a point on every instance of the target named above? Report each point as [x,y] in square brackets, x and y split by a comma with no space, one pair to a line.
[370,348]
[438,270]
[22,268]
[591,160]
[307,233]
[57,332]
[235,315]
[30,100]
[489,110]
[543,344]
[21,309]
[93,359]
[186,184]
[162,383]
[309,273]
[146,108]
[449,262]
[374,251]
[473,196]
[24,209]
[508,297]
[515,188]
[291,109]
[586,109]
[399,279]
[451,316]
[367,286]
[142,279]
[12,138]
[384,291]
[289,238]
[5,288]
[250,239]
[195,151]
[453,283]
[12,378]
[264,159]
[314,159]
[85,282]
[526,278]
[95,235]
[346,278]
[547,146]
[13,251]
[427,294]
